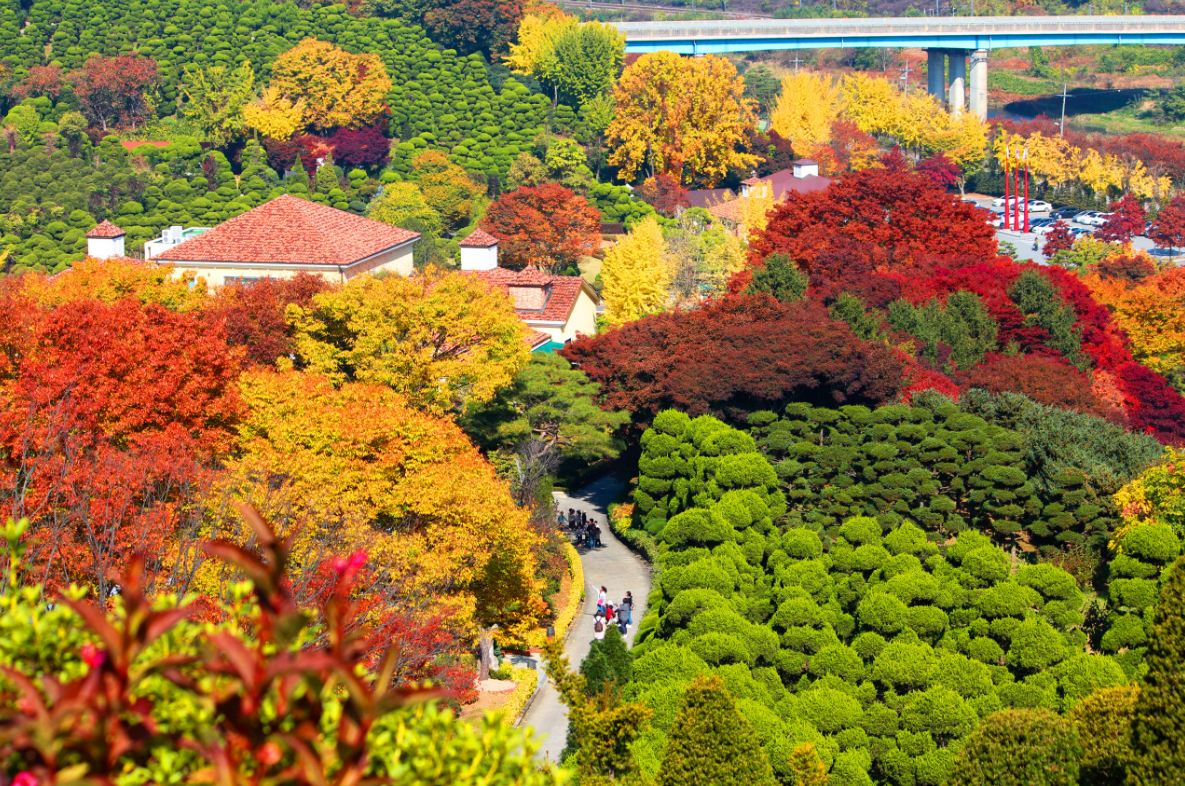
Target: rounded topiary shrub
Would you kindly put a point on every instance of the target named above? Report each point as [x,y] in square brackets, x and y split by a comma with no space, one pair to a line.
[1019,748]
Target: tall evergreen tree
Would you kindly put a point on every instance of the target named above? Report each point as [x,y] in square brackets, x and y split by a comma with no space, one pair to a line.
[780,278]
[1158,733]
[711,744]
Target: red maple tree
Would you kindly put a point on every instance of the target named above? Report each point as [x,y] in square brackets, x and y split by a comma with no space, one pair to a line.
[111,89]
[1126,221]
[904,215]
[43,80]
[665,194]
[940,169]
[1044,379]
[1060,238]
[733,356]
[365,147]
[108,415]
[548,226]
[253,314]
[1168,231]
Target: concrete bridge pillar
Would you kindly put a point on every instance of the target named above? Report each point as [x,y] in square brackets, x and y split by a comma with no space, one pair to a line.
[935,72]
[979,90]
[958,81]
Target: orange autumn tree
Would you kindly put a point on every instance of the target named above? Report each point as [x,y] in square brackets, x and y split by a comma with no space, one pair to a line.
[360,468]
[1151,312]
[681,116]
[110,416]
[442,339]
[109,280]
[338,89]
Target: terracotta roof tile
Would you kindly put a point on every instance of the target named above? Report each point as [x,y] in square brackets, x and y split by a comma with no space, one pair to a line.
[536,338]
[479,238]
[561,292]
[106,229]
[732,210]
[289,230]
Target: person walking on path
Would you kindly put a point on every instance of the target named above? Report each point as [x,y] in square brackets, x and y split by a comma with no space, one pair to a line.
[627,603]
[615,563]
[602,599]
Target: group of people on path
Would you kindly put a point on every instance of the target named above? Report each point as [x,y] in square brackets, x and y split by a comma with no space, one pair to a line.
[585,530]
[607,614]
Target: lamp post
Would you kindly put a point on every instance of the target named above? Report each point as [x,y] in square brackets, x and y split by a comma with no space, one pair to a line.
[1007,174]
[1025,159]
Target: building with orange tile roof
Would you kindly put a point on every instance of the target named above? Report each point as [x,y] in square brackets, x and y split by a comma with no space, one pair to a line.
[560,307]
[283,237]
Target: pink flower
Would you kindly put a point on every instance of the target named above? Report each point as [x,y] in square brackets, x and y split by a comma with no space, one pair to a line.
[358,559]
[25,778]
[92,655]
[340,564]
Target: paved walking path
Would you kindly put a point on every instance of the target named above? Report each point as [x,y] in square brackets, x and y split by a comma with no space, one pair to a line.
[612,565]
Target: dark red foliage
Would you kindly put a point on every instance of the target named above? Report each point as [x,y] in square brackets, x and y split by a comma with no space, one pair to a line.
[1151,403]
[1168,231]
[253,314]
[665,194]
[282,153]
[473,25]
[1131,268]
[901,215]
[777,150]
[1044,379]
[1127,220]
[41,81]
[734,356]
[365,147]
[1153,406]
[111,89]
[1060,238]
[940,169]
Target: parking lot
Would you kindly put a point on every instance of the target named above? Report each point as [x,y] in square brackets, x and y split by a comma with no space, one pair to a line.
[1023,241]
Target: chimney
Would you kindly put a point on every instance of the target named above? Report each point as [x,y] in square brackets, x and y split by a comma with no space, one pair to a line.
[479,251]
[804,167]
[105,241]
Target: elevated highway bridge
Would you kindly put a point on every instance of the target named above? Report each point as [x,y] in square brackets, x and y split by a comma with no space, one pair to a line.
[949,41]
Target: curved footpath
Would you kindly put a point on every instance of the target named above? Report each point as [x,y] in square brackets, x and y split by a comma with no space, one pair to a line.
[613,566]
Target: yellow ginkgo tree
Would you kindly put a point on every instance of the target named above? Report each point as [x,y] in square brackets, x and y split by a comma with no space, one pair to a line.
[635,275]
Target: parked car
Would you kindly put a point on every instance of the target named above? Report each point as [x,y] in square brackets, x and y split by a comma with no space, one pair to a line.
[1066,212]
[1039,206]
[999,201]
[1093,218]
[996,220]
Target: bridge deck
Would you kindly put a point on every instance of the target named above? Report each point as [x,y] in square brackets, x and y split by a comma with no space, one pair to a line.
[984,32]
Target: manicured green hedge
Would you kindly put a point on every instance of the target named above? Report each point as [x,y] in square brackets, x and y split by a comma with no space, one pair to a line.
[883,637]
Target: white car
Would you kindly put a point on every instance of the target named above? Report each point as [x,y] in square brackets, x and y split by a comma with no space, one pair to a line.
[999,201]
[1093,218]
[1038,206]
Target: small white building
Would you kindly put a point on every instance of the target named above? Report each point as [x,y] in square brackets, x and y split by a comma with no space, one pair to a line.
[558,309]
[105,241]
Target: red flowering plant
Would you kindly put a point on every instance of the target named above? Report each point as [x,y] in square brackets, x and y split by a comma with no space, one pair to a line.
[150,690]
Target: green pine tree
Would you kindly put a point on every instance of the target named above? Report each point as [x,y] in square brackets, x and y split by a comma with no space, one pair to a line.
[617,655]
[595,670]
[781,278]
[299,179]
[850,309]
[1158,733]
[327,179]
[711,744]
